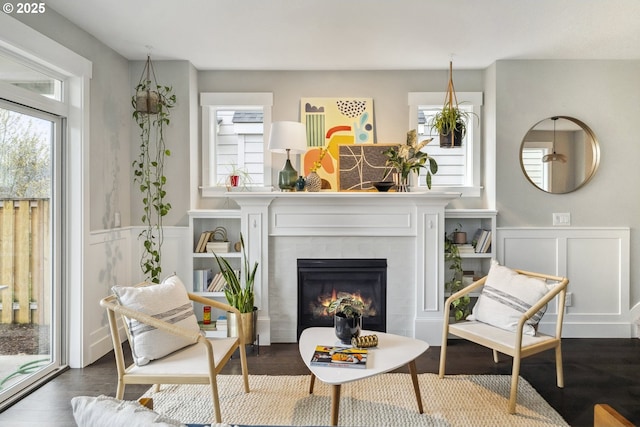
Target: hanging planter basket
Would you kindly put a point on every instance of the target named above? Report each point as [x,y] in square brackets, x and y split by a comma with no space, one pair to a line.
[148,99]
[450,122]
[147,102]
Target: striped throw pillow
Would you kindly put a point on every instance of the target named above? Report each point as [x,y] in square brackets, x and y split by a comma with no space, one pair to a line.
[167,301]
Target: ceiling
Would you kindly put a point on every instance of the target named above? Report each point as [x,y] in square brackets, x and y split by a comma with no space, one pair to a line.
[359,34]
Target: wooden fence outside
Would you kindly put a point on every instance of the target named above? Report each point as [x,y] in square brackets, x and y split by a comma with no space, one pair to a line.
[25,261]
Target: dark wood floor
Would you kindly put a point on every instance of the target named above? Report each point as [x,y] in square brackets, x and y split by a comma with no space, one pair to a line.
[596,371]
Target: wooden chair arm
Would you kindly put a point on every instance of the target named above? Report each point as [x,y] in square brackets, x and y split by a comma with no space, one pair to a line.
[152,321]
[557,289]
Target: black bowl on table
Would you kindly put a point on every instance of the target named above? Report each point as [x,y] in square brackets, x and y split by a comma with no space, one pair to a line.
[383,186]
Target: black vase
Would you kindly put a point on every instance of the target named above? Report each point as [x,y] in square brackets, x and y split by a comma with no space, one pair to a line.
[347,327]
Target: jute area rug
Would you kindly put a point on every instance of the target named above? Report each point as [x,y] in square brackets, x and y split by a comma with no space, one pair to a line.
[383,400]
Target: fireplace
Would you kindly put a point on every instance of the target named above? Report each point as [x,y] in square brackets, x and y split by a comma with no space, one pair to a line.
[322,280]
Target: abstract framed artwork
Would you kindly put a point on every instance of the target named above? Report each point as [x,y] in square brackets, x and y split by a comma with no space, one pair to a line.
[360,165]
[330,123]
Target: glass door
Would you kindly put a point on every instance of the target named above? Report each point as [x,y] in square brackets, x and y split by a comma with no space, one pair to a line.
[30,329]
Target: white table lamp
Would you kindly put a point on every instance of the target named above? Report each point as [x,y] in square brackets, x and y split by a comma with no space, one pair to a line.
[288,137]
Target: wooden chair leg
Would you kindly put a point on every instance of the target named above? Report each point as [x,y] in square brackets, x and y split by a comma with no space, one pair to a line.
[443,357]
[559,369]
[495,356]
[245,369]
[515,376]
[157,389]
[216,400]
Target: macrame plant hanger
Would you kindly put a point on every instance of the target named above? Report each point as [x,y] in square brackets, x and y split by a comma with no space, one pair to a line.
[451,100]
[147,99]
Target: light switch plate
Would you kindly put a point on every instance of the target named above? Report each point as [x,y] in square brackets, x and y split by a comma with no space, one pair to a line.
[562,219]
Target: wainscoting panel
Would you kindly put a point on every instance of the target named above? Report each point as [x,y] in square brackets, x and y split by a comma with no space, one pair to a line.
[596,261]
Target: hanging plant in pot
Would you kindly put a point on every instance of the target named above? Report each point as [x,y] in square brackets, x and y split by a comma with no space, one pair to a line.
[347,312]
[451,122]
[152,104]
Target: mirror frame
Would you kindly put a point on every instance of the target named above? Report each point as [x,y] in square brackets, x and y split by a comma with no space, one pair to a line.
[595,148]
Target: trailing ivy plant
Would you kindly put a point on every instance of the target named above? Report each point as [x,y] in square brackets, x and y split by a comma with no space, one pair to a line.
[460,307]
[148,169]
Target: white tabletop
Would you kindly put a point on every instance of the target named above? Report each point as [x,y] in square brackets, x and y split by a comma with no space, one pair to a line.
[393,351]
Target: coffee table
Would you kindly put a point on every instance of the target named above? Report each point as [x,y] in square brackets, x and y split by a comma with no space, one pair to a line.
[393,351]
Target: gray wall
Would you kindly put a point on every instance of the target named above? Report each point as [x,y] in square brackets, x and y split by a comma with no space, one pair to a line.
[110,120]
[603,94]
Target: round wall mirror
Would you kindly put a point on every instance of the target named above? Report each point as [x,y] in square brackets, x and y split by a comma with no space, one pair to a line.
[559,154]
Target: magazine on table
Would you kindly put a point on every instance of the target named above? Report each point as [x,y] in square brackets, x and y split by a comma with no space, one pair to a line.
[340,357]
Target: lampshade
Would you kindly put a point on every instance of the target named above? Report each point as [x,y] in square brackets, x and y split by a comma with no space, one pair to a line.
[288,136]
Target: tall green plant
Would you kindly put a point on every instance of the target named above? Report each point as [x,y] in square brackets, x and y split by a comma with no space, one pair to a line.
[239,295]
[148,170]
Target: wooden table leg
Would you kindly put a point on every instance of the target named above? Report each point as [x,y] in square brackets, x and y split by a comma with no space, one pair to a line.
[335,404]
[416,386]
[313,381]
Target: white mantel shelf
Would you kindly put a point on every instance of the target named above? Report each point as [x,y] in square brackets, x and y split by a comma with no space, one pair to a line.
[407,229]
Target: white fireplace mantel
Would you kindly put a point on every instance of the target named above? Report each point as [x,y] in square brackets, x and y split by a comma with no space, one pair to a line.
[405,228]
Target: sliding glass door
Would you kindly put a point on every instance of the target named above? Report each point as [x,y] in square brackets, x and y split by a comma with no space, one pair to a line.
[30,145]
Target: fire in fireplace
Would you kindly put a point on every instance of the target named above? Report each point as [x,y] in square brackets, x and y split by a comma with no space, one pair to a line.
[322,280]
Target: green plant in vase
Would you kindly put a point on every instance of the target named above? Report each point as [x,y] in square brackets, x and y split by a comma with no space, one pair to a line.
[347,312]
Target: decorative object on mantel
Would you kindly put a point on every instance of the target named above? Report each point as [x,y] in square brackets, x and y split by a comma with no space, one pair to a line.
[383,186]
[347,311]
[409,158]
[288,137]
[313,181]
[152,103]
[451,121]
[300,183]
[239,294]
[360,165]
[238,176]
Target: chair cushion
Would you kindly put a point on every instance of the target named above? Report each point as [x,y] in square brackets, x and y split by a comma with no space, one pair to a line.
[167,301]
[506,296]
[105,411]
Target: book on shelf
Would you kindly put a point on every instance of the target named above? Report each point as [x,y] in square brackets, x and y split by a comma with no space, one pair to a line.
[218,282]
[201,279]
[340,357]
[466,248]
[483,244]
[201,247]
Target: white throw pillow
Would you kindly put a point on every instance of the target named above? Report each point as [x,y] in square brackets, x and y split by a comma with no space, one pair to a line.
[506,296]
[105,411]
[167,301]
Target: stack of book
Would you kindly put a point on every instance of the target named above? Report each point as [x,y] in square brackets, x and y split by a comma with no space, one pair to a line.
[484,241]
[218,282]
[466,248]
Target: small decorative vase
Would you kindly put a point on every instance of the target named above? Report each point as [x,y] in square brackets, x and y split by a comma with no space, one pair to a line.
[347,328]
[402,184]
[313,182]
[300,184]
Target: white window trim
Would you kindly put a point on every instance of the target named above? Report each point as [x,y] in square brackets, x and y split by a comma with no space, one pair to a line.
[24,41]
[208,100]
[475,99]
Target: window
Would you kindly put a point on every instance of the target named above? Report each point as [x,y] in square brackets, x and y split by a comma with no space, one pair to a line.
[28,75]
[234,126]
[459,167]
[536,170]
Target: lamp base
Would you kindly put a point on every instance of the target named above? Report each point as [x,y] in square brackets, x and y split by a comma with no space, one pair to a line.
[287,177]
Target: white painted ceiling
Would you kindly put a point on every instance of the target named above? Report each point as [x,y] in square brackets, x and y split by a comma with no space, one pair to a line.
[359,34]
